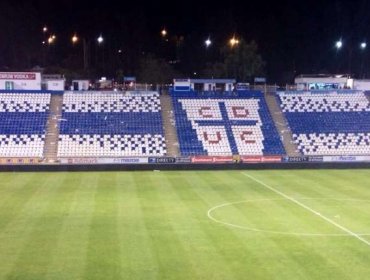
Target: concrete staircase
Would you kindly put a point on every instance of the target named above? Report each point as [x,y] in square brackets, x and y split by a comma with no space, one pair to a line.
[281,125]
[52,129]
[169,126]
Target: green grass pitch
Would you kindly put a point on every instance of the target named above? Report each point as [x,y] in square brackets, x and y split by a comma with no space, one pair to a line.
[280,224]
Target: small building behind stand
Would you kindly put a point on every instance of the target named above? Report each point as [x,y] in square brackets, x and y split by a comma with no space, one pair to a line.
[20,81]
[80,85]
[203,85]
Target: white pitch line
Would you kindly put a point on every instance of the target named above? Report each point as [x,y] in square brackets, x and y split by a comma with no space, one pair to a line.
[308,208]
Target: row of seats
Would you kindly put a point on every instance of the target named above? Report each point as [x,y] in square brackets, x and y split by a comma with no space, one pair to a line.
[23,123]
[93,102]
[111,124]
[328,123]
[111,145]
[24,102]
[324,102]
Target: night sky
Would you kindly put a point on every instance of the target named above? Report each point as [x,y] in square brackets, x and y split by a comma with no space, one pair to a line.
[294,37]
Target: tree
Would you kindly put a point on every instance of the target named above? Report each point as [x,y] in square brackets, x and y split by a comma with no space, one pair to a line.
[214,70]
[155,70]
[240,61]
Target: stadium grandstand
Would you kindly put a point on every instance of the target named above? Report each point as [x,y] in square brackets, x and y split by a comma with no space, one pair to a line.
[198,117]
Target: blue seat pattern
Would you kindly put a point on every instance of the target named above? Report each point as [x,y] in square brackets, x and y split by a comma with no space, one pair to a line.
[328,123]
[111,124]
[224,127]
[23,119]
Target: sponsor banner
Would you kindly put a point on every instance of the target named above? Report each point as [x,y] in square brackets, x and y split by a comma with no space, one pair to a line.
[271,159]
[124,160]
[251,159]
[183,160]
[79,160]
[303,159]
[212,159]
[295,159]
[129,160]
[223,159]
[257,159]
[316,159]
[17,76]
[161,160]
[346,158]
[202,159]
[9,161]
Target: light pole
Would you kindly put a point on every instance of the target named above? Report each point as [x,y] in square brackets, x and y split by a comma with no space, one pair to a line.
[75,39]
[363,46]
[50,50]
[338,46]
[351,47]
[85,45]
[234,41]
[164,32]
[100,41]
[208,42]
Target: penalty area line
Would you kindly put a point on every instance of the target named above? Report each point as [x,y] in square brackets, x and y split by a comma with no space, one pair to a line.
[351,233]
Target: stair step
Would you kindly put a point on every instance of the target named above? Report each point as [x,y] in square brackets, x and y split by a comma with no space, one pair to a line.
[169,125]
[281,124]
[52,128]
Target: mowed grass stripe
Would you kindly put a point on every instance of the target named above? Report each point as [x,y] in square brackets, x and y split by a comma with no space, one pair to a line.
[173,262]
[291,256]
[103,252]
[186,209]
[42,240]
[322,184]
[288,219]
[272,256]
[138,261]
[69,253]
[31,234]
[16,190]
[221,252]
[313,256]
[236,247]
[14,216]
[336,251]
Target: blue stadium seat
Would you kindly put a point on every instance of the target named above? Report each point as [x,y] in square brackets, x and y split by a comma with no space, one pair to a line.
[330,123]
[111,124]
[225,125]
[23,119]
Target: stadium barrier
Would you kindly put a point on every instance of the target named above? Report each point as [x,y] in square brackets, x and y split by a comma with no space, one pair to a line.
[259,159]
[121,160]
[346,158]
[212,159]
[303,159]
[185,163]
[161,160]
[19,161]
